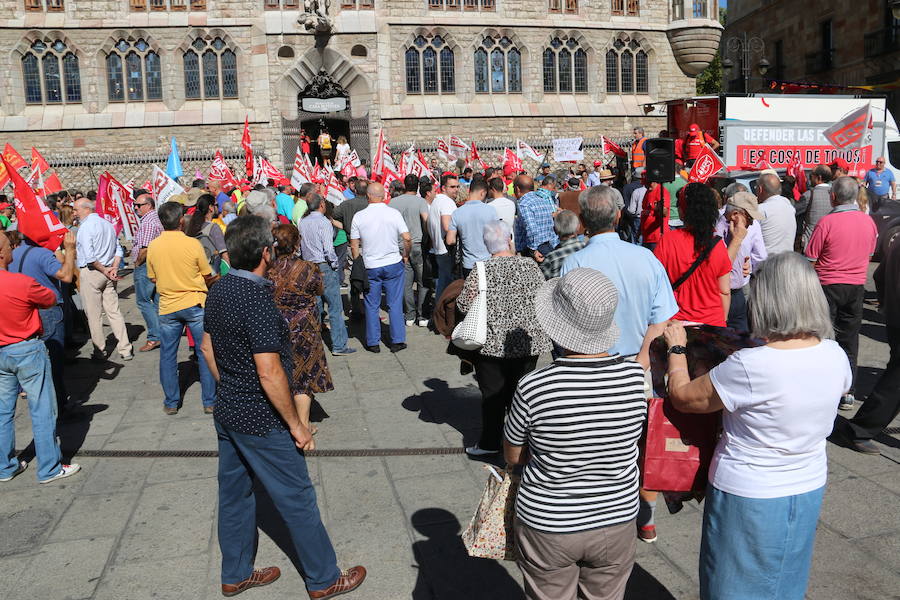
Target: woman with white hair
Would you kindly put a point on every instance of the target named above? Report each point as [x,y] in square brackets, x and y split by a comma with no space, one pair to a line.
[514,338]
[779,402]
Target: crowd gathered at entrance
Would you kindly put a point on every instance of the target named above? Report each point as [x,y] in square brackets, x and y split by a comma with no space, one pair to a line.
[608,273]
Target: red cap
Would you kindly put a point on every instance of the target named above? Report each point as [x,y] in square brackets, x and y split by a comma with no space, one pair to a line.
[5,205]
[598,163]
[694,128]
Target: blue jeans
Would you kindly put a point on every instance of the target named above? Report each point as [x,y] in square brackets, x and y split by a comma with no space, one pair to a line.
[170,328]
[390,279]
[148,301]
[27,364]
[54,338]
[276,463]
[757,548]
[332,297]
[445,274]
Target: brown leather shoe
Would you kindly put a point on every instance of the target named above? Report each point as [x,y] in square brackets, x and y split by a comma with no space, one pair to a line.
[258,578]
[349,580]
[148,347]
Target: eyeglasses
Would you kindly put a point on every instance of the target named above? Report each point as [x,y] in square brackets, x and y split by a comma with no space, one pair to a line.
[141,203]
[879,162]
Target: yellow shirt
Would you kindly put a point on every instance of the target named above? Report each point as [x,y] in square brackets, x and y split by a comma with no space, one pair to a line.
[178,263]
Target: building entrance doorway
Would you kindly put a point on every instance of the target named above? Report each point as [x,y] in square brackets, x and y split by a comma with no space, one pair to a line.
[336,128]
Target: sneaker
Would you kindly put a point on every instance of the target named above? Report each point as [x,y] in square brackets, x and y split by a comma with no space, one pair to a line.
[422,323]
[22,466]
[66,471]
[861,446]
[344,352]
[410,322]
[847,402]
[476,451]
[647,533]
[127,357]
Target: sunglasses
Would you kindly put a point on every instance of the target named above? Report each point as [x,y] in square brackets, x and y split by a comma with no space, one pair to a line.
[141,203]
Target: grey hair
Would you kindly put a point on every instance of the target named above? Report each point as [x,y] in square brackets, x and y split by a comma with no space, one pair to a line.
[497,236]
[85,203]
[565,223]
[228,207]
[599,206]
[314,202]
[641,129]
[770,183]
[786,300]
[845,190]
[733,188]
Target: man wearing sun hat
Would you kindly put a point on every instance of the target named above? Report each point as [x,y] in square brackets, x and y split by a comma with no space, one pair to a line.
[578,498]
[740,229]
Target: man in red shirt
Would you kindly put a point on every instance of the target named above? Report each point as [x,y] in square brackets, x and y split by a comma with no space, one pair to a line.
[655,214]
[694,142]
[841,245]
[24,362]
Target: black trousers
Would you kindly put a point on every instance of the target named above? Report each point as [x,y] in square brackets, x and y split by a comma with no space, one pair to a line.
[845,301]
[883,404]
[737,311]
[497,379]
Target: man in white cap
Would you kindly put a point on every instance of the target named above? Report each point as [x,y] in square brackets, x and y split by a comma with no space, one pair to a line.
[740,224]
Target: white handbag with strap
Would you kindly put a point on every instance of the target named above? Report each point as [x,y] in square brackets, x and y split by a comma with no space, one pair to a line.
[471,333]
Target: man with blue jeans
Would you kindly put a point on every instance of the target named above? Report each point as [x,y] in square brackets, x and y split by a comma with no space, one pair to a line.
[25,363]
[145,294]
[258,426]
[177,265]
[49,270]
[317,246]
[379,228]
[880,181]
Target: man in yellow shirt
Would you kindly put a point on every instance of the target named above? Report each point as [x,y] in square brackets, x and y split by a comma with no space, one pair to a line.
[177,265]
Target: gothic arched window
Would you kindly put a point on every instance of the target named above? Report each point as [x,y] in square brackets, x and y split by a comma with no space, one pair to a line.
[498,67]
[51,74]
[627,69]
[133,72]
[430,66]
[565,67]
[210,70]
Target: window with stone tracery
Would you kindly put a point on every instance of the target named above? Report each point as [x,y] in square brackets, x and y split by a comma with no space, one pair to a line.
[45,5]
[166,5]
[625,8]
[565,67]
[51,74]
[567,6]
[430,66]
[133,72]
[464,5]
[498,67]
[627,68]
[210,70]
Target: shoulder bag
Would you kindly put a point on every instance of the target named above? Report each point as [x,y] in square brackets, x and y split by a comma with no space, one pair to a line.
[471,333]
[700,258]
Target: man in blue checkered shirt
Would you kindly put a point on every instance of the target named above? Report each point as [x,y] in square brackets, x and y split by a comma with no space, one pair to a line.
[534,232]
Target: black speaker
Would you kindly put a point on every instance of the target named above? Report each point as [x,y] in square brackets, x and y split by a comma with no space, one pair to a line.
[660,159]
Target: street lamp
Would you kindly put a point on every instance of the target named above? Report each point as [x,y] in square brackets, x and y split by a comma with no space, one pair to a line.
[746,47]
[895,8]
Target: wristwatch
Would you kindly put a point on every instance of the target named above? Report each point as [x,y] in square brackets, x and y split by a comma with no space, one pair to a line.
[677,350]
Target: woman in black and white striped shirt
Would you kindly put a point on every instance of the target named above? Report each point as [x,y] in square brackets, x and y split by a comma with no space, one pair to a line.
[575,424]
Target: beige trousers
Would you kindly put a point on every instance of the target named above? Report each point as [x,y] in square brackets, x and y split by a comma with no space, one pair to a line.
[98,296]
[589,565]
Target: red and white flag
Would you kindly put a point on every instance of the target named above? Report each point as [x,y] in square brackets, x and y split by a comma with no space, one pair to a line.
[335,191]
[418,168]
[219,171]
[162,186]
[349,170]
[853,131]
[269,171]
[475,156]
[511,160]
[795,170]
[610,146]
[383,160]
[458,148]
[300,174]
[706,165]
[249,164]
[389,176]
[443,150]
[121,201]
[38,161]
[523,151]
[35,219]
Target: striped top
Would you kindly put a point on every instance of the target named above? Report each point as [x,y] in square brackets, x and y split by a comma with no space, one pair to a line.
[581,419]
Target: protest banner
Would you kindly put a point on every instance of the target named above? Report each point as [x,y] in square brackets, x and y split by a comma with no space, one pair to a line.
[568,149]
[35,219]
[163,186]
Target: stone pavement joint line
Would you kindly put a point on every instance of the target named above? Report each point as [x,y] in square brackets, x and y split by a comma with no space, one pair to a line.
[335,453]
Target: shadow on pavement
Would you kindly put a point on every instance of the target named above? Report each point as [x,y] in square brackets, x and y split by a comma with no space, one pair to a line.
[83,374]
[458,407]
[446,571]
[644,586]
[72,428]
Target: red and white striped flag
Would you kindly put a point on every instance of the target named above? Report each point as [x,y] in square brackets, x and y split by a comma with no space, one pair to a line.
[458,148]
[219,171]
[523,150]
[300,174]
[383,160]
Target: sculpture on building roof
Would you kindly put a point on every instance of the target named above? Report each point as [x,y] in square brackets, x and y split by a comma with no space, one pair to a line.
[315,16]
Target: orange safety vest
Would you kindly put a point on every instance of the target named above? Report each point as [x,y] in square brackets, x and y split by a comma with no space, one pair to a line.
[637,153]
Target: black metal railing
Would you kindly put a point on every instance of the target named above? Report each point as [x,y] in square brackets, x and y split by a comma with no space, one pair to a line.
[883,41]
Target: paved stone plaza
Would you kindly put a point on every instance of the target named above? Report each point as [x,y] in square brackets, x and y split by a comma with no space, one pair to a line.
[140,528]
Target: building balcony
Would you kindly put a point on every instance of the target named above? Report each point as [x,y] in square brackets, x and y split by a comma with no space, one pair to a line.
[817,62]
[883,41]
[694,32]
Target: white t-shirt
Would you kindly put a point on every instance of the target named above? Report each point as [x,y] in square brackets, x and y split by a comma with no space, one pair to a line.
[780,406]
[442,205]
[378,227]
[506,210]
[779,227]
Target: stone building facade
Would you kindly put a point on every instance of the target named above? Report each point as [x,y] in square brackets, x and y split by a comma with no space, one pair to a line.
[837,43]
[114,76]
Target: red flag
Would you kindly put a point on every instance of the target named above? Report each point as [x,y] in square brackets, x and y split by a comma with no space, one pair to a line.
[443,150]
[38,161]
[349,171]
[795,170]
[510,159]
[219,171]
[476,156]
[269,170]
[13,159]
[611,146]
[248,148]
[421,156]
[105,206]
[383,160]
[706,165]
[389,176]
[36,221]
[52,184]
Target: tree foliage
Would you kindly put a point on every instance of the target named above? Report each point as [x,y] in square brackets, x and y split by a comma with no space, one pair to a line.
[709,81]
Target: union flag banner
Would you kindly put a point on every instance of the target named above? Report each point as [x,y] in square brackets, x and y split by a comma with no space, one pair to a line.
[610,146]
[300,174]
[4,175]
[219,171]
[35,219]
[510,159]
[162,186]
[52,185]
[38,161]
[249,164]
[706,165]
[458,148]
[383,161]
[443,150]
[795,170]
[122,203]
[853,131]
[523,150]
[270,171]
[13,159]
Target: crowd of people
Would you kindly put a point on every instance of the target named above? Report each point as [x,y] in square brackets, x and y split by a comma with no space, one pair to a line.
[589,266]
